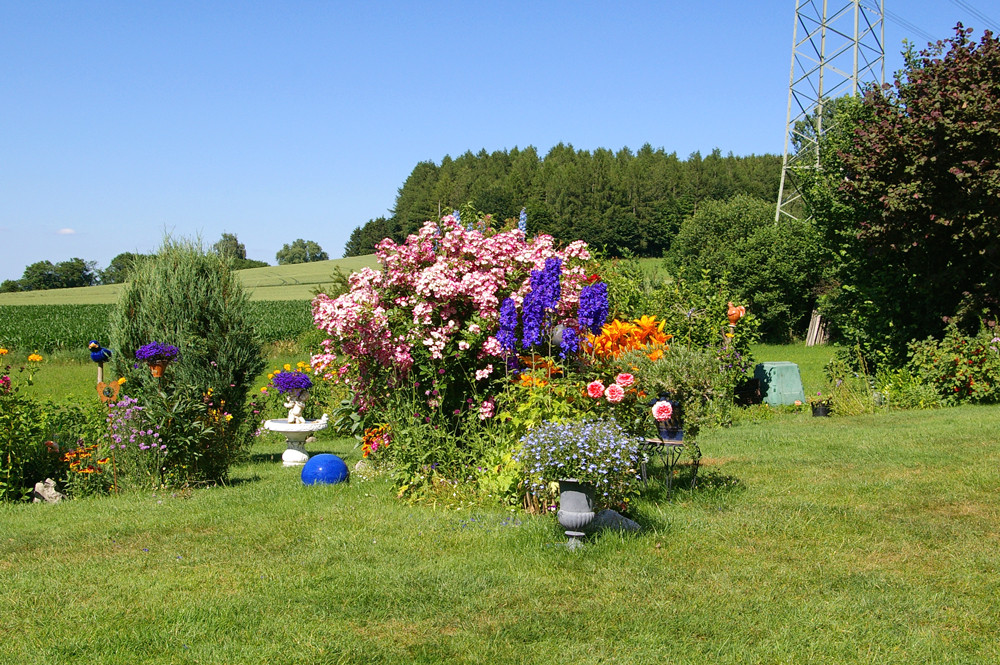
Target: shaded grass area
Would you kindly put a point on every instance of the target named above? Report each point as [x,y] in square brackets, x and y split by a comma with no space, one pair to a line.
[858,540]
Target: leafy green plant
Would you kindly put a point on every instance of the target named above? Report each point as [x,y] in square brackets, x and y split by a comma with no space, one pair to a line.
[902,389]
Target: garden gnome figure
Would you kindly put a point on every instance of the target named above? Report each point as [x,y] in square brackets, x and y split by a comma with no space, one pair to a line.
[295,404]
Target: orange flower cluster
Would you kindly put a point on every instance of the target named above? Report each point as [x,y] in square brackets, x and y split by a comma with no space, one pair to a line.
[81,460]
[375,438]
[642,334]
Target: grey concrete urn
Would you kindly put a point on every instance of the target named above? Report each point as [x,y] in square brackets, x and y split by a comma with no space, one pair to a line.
[576,509]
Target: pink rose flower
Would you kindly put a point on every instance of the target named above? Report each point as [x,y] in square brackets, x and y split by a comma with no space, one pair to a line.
[614,393]
[663,410]
[624,380]
[595,389]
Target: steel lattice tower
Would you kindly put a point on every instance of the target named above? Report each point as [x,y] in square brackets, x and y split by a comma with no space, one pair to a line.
[836,47]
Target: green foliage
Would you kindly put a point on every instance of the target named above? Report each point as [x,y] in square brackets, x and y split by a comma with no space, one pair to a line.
[907,200]
[191,299]
[775,267]
[48,328]
[120,268]
[960,368]
[695,314]
[693,378]
[852,387]
[364,238]
[301,251]
[43,275]
[621,201]
[902,389]
[230,246]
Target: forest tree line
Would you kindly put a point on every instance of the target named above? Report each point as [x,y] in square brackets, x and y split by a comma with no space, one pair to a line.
[622,202]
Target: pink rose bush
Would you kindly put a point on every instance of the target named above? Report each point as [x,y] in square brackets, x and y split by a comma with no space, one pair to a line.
[435,305]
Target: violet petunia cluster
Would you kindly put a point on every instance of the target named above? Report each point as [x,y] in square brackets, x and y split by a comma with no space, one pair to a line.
[291,381]
[156,351]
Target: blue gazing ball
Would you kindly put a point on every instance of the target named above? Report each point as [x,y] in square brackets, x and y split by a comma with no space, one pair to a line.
[324,468]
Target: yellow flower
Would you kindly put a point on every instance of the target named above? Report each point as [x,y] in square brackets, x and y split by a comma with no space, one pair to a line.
[121,381]
[35,358]
[229,417]
[3,352]
[302,365]
[270,376]
[288,368]
[264,390]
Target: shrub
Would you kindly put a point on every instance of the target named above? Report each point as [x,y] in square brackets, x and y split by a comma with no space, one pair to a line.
[961,368]
[191,299]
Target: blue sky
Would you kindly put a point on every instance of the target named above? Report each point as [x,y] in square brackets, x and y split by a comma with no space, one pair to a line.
[275,121]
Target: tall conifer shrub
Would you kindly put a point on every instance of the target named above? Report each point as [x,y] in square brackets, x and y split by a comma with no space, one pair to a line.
[191,299]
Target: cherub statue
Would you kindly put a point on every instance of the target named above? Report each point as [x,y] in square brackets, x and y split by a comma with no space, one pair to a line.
[295,404]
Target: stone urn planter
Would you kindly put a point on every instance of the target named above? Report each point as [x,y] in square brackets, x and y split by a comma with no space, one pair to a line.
[576,509]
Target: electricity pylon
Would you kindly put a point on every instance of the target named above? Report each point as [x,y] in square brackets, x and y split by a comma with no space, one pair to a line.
[836,47]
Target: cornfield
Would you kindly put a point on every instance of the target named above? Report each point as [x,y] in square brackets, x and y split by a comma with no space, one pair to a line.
[48,328]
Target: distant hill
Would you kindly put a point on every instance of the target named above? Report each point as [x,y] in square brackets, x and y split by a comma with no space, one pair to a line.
[290,282]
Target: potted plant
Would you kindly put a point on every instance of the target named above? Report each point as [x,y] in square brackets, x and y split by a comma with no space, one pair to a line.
[157,356]
[295,387]
[592,460]
[667,416]
[821,406]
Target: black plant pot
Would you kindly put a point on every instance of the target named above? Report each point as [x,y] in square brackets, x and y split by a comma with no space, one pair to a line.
[820,410]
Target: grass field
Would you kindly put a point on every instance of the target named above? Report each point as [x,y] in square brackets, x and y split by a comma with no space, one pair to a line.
[293,282]
[850,540]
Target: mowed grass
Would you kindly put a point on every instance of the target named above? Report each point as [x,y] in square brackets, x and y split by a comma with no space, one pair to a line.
[873,539]
[292,282]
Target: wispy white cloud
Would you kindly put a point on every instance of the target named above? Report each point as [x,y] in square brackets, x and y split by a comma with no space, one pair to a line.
[66,232]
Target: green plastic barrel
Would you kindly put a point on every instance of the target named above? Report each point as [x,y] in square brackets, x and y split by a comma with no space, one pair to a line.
[780,383]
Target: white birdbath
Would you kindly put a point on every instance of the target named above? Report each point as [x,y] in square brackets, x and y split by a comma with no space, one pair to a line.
[295,436]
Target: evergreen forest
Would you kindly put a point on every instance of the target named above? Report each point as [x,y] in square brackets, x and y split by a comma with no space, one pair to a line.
[621,202]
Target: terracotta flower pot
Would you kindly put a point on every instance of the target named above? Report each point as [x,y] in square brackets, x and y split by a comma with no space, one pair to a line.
[157,367]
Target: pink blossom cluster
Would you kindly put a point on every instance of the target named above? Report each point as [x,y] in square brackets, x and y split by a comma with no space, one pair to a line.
[615,392]
[436,299]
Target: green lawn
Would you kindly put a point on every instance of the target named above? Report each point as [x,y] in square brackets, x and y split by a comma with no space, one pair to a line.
[873,539]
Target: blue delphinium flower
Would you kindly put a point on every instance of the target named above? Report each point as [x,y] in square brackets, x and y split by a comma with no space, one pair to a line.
[522,221]
[593,307]
[570,343]
[544,295]
[507,335]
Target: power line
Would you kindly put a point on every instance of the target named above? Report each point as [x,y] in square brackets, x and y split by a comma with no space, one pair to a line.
[903,23]
[990,23]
